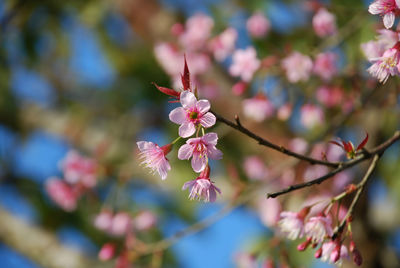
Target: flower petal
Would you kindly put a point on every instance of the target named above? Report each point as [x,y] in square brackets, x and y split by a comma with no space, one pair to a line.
[185,152]
[188,99]
[203,106]
[208,120]
[375,8]
[198,163]
[388,20]
[145,145]
[187,129]
[210,138]
[178,115]
[214,153]
[188,184]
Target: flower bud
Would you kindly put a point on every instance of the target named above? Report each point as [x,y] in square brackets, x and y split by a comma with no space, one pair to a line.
[107,251]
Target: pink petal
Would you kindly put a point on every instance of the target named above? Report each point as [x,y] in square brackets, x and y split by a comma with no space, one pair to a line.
[214,153]
[163,169]
[145,145]
[213,195]
[198,163]
[185,152]
[398,4]
[178,115]
[203,106]
[210,138]
[188,99]
[388,20]
[188,184]
[208,120]
[187,129]
[375,8]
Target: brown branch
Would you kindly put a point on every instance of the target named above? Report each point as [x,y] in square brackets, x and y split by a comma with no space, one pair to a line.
[372,153]
[238,126]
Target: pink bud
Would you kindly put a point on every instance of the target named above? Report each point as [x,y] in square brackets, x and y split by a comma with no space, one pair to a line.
[107,251]
[335,255]
[239,88]
[352,246]
[103,220]
[177,29]
[303,246]
[144,220]
[318,253]
[120,224]
[357,258]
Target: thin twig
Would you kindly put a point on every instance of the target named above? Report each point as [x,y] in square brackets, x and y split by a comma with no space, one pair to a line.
[238,126]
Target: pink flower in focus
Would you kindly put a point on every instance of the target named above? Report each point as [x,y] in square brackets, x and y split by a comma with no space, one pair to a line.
[385,8]
[154,158]
[386,66]
[198,30]
[62,194]
[254,168]
[258,25]
[103,220]
[324,23]
[201,149]
[372,49]
[191,114]
[333,252]
[318,228]
[292,224]
[258,108]
[325,65]
[224,44]
[202,187]
[145,220]
[107,252]
[244,63]
[120,224]
[385,40]
[311,115]
[297,66]
[330,96]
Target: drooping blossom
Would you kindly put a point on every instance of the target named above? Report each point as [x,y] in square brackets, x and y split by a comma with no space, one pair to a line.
[386,39]
[297,66]
[120,224]
[333,252]
[145,220]
[318,228]
[154,157]
[244,63]
[325,65]
[197,31]
[79,169]
[292,223]
[330,96]
[387,65]
[385,8]
[103,220]
[191,114]
[107,252]
[254,168]
[258,108]
[324,23]
[223,44]
[311,115]
[200,149]
[62,194]
[258,25]
[202,188]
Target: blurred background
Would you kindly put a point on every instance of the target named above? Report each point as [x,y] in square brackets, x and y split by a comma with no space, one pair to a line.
[76,75]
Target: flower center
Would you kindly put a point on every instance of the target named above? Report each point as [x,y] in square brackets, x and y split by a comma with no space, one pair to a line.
[193,115]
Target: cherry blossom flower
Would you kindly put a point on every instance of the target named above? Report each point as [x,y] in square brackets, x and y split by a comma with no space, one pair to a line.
[197,31]
[200,149]
[191,114]
[297,66]
[154,158]
[386,39]
[385,8]
[324,23]
[254,168]
[325,65]
[311,115]
[103,220]
[387,65]
[224,44]
[330,96]
[258,108]
[298,145]
[318,228]
[245,260]
[62,194]
[269,211]
[107,252]
[239,88]
[333,252]
[79,169]
[258,25]
[145,220]
[120,224]
[202,187]
[284,112]
[292,223]
[245,63]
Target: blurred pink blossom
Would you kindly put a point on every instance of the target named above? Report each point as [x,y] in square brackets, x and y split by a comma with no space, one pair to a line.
[103,220]
[324,23]
[255,168]
[258,108]
[197,31]
[145,220]
[121,223]
[107,252]
[244,64]
[311,115]
[239,88]
[269,211]
[224,44]
[258,25]
[245,260]
[79,169]
[62,194]
[284,112]
[298,145]
[330,96]
[325,65]
[297,66]
[318,228]
[292,224]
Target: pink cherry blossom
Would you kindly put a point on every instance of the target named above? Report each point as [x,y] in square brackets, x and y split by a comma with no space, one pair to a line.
[298,145]
[284,112]
[372,49]
[103,220]
[254,168]
[333,252]
[62,194]
[154,158]
[224,44]
[291,224]
[145,220]
[120,224]
[325,65]
[297,66]
[258,25]
[330,96]
[258,108]
[244,64]
[200,149]
[385,8]
[324,23]
[197,31]
[245,260]
[202,188]
[385,40]
[311,115]
[191,114]
[107,252]
[79,169]
[239,88]
[318,228]
[387,65]
[269,211]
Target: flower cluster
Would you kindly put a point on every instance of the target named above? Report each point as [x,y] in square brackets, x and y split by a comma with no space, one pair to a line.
[80,175]
[193,117]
